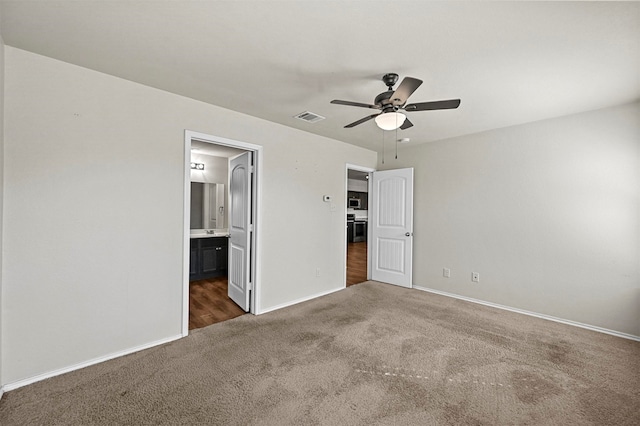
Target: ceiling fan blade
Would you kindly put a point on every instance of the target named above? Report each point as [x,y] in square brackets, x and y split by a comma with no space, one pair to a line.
[406,88]
[362,120]
[426,106]
[356,104]
[406,124]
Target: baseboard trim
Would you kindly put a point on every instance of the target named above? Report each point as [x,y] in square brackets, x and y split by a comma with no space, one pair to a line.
[20,383]
[1,392]
[533,314]
[304,299]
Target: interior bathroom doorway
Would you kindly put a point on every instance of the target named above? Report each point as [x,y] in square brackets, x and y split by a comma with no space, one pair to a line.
[220,256]
[357,220]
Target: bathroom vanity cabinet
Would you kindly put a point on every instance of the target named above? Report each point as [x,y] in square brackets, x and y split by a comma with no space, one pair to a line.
[208,258]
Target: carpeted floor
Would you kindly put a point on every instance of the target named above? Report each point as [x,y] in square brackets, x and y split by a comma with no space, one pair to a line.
[373,354]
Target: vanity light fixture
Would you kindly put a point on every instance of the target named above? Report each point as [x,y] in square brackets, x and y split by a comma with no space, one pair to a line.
[197,166]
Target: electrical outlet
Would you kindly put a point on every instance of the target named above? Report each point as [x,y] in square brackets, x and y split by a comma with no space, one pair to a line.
[475,277]
[446,272]
[317,272]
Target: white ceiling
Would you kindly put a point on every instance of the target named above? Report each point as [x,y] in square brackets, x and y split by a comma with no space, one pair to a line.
[214,150]
[509,62]
[357,175]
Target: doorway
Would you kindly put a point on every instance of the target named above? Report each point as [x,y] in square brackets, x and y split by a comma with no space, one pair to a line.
[389,226]
[357,217]
[209,225]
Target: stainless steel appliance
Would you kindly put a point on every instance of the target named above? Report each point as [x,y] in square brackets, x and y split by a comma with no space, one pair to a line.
[359,230]
[356,229]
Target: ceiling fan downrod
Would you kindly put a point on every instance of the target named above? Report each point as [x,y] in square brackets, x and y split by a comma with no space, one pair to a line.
[390,79]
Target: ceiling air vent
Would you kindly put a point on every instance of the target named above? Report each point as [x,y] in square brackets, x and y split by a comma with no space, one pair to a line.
[309,117]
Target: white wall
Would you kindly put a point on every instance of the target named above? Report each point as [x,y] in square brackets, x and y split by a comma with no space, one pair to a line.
[357,185]
[216,169]
[88,269]
[548,213]
[1,189]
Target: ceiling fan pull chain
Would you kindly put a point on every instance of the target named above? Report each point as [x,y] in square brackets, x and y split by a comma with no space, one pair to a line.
[382,145]
[396,144]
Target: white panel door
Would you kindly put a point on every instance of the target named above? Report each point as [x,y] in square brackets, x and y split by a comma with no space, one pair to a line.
[240,180]
[391,220]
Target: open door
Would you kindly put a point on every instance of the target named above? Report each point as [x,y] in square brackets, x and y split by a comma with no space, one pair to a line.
[391,222]
[240,181]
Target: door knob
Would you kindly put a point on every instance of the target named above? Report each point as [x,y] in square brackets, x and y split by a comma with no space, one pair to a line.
[408,234]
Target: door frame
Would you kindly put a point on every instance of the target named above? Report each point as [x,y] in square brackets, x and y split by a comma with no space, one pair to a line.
[349,166]
[256,212]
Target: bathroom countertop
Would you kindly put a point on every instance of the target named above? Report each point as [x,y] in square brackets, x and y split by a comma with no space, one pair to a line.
[205,235]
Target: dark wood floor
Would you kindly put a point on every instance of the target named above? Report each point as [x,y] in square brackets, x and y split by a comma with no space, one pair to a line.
[209,303]
[356,263]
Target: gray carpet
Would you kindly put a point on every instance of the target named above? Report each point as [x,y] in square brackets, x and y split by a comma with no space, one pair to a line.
[373,354]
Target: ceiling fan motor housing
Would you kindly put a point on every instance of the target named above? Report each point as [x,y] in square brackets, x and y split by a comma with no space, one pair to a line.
[384,99]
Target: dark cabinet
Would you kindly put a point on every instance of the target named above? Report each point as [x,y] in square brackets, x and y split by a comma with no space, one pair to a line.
[208,258]
[349,231]
[193,259]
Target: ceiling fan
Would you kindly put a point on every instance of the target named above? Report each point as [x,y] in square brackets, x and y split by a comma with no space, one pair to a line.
[392,101]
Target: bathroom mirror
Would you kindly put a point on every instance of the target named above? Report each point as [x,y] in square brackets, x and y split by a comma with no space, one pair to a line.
[207,205]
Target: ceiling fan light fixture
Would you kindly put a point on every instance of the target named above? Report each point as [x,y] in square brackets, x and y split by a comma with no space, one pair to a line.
[390,120]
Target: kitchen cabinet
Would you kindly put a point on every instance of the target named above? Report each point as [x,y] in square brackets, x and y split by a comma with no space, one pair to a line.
[208,258]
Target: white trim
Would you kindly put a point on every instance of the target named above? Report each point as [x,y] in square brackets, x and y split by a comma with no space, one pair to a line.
[186,242]
[533,314]
[304,299]
[255,230]
[190,135]
[348,167]
[20,383]
[1,392]
[203,137]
